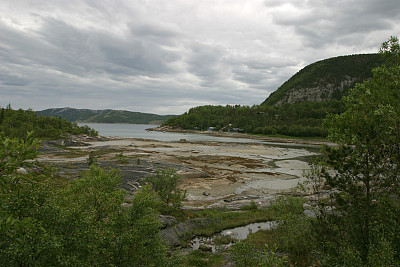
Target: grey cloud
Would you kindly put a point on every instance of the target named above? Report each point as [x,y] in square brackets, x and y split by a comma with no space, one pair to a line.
[166,56]
[160,34]
[13,80]
[323,23]
[206,61]
[262,72]
[85,51]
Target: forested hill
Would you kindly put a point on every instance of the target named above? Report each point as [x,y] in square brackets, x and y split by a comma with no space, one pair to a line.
[297,108]
[325,80]
[104,116]
[18,123]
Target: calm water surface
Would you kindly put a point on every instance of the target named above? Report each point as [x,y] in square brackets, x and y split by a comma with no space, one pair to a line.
[139,131]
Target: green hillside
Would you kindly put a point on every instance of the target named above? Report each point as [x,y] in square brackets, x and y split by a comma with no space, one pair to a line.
[104,116]
[326,79]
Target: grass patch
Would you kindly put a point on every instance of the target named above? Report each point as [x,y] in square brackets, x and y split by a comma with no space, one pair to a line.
[253,206]
[70,152]
[121,159]
[221,220]
[204,259]
[261,238]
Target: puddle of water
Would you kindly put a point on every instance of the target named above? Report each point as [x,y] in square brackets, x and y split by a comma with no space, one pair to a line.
[238,233]
[206,241]
[242,232]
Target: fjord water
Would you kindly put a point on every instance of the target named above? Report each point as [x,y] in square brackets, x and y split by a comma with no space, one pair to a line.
[139,131]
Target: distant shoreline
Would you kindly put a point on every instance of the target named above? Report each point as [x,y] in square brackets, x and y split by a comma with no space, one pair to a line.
[82,122]
[248,136]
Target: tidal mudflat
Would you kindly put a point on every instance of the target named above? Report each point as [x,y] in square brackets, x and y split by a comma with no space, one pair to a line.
[214,174]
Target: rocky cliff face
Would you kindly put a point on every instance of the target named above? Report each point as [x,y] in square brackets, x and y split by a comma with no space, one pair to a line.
[322,92]
[325,80]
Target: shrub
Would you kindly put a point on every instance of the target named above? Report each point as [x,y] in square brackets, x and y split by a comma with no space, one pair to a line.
[165,184]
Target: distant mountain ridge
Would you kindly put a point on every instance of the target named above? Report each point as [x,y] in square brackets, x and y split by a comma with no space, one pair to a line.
[325,80]
[104,116]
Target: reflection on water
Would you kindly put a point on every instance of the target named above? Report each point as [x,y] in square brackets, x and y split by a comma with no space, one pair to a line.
[241,233]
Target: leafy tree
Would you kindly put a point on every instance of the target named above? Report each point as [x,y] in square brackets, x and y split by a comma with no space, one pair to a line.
[364,170]
[165,184]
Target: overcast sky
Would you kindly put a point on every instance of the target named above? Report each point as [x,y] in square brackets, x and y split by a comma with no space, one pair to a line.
[166,56]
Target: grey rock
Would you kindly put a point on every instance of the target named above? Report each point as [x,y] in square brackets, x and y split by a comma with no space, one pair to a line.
[183,230]
[166,220]
[173,234]
[170,236]
[310,214]
[22,170]
[197,222]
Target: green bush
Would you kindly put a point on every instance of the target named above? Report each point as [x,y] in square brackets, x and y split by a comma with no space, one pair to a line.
[294,233]
[165,184]
[48,222]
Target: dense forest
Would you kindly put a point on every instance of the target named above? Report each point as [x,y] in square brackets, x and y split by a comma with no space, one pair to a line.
[104,116]
[300,119]
[17,123]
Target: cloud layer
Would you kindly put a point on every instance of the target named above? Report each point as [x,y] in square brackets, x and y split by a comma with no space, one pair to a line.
[167,56]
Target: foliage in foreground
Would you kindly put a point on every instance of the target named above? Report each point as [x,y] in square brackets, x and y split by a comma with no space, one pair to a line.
[289,243]
[245,254]
[358,224]
[47,222]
